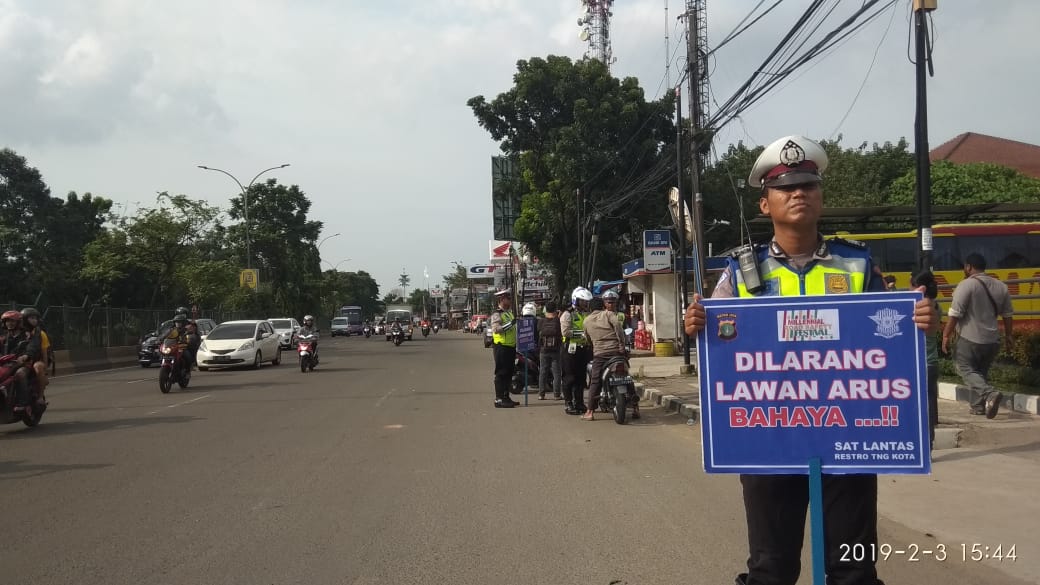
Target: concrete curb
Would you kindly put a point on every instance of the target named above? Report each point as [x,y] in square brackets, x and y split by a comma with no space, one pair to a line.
[1024,403]
[670,402]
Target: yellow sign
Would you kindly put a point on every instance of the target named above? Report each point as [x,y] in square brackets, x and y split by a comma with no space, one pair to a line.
[248,278]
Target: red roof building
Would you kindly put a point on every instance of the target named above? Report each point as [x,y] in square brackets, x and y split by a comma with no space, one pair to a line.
[972,147]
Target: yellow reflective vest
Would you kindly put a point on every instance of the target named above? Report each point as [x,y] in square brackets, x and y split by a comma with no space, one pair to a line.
[507,338]
[841,267]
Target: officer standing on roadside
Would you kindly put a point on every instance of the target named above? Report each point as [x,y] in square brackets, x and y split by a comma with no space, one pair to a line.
[798,261]
[503,330]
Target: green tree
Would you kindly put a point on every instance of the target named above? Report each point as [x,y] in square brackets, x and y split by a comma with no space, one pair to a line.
[964,184]
[352,288]
[149,252]
[24,202]
[574,127]
[421,302]
[458,278]
[283,244]
[392,299]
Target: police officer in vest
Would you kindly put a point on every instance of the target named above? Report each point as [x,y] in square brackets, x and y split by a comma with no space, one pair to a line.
[576,351]
[798,261]
[503,330]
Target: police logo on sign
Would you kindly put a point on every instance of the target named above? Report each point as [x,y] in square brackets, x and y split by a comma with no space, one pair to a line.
[727,326]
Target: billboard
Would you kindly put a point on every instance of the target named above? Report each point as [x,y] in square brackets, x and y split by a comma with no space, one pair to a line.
[505,195]
[499,251]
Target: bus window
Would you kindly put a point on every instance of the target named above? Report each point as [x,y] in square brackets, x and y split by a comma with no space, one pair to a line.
[945,255]
[901,255]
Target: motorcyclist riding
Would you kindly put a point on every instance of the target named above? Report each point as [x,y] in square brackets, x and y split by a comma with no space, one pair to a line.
[309,329]
[13,336]
[604,333]
[31,325]
[180,333]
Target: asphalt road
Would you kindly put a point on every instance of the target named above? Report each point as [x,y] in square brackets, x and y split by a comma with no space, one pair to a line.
[385,465]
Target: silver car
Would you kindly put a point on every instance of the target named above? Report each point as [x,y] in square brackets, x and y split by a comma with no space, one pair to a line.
[286,329]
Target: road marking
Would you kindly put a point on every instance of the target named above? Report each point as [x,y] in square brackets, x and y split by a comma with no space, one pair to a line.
[385,396]
[393,426]
[180,403]
[92,372]
[141,380]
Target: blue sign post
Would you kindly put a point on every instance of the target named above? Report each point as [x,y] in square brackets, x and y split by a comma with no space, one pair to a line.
[526,343]
[817,384]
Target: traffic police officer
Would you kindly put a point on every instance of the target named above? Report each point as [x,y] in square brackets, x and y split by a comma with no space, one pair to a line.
[576,352]
[798,261]
[503,331]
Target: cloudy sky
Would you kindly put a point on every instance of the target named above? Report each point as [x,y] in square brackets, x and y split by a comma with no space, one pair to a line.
[367,98]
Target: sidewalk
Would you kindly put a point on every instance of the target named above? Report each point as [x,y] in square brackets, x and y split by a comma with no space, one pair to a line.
[984,472]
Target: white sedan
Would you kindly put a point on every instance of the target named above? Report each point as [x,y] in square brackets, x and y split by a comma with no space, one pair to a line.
[235,343]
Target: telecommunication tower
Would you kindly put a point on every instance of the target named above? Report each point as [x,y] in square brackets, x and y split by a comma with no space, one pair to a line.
[595,29]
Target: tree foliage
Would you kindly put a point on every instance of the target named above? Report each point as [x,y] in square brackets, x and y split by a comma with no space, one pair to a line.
[575,128]
[351,289]
[42,238]
[961,184]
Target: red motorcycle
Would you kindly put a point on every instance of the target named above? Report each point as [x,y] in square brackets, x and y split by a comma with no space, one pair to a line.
[173,365]
[305,347]
[8,391]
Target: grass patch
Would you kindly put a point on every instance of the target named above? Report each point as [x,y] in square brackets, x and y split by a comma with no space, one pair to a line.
[1005,376]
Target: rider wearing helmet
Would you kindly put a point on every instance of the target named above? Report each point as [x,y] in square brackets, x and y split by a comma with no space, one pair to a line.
[308,328]
[11,338]
[180,333]
[31,325]
[607,339]
[610,302]
[576,352]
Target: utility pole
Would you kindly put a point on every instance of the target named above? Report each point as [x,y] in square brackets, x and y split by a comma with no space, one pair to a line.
[923,66]
[681,214]
[581,238]
[696,39]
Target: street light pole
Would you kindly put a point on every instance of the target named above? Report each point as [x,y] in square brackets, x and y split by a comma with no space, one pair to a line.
[336,265]
[245,201]
[322,242]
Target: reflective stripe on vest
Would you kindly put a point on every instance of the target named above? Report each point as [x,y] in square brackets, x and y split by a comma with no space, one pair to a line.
[577,333]
[509,337]
[835,275]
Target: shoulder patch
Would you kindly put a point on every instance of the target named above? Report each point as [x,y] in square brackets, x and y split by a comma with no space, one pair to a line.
[853,243]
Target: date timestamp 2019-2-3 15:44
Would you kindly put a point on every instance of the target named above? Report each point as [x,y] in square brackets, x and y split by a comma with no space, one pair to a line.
[963,552]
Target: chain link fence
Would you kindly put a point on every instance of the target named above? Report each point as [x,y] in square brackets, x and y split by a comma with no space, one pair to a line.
[98,326]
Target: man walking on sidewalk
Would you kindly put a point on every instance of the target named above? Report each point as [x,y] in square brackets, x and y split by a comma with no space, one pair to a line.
[977,302]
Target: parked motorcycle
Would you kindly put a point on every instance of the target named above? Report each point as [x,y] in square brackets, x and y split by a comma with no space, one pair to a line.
[397,335]
[617,392]
[308,357]
[528,362]
[173,365]
[31,416]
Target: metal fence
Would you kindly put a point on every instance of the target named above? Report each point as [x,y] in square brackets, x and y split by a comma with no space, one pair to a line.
[100,326]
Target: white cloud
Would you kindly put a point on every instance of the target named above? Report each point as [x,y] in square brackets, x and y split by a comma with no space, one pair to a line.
[367,99]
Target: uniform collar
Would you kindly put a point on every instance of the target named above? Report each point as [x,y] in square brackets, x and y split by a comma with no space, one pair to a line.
[822,251]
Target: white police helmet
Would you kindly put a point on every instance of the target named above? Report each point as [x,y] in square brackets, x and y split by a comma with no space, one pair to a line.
[581,294]
[528,310]
[791,160]
[610,295]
